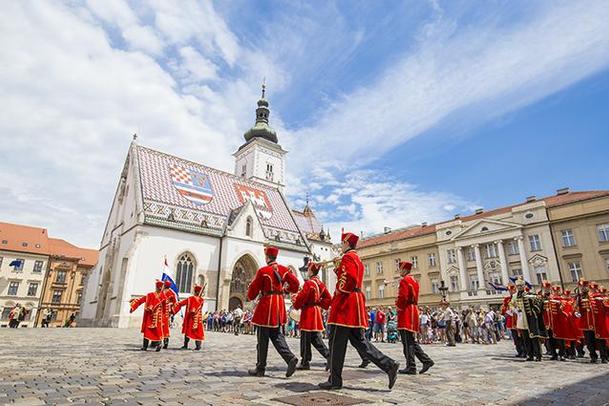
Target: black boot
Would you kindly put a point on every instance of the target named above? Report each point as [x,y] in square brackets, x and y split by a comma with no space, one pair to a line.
[197,345]
[186,340]
[159,345]
[165,343]
[145,345]
[256,372]
[364,364]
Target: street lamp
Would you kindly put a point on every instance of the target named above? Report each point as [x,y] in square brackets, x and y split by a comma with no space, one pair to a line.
[443,289]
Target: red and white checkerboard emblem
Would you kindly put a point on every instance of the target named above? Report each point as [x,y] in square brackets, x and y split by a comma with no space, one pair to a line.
[262,204]
[192,185]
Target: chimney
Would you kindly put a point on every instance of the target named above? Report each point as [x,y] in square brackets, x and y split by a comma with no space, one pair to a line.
[424,224]
[387,230]
[531,199]
[479,211]
[457,216]
[562,191]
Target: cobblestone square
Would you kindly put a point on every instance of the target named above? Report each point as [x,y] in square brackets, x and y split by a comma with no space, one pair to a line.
[105,367]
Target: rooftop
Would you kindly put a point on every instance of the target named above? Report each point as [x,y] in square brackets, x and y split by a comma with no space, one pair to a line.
[27,239]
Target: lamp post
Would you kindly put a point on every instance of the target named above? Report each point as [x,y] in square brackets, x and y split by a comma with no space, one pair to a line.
[443,289]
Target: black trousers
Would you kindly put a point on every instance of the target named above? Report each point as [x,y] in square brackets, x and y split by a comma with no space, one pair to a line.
[412,349]
[555,344]
[532,345]
[308,338]
[590,340]
[278,339]
[518,342]
[361,351]
[339,336]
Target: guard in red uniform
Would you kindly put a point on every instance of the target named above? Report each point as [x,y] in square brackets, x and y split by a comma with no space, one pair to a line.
[557,323]
[269,314]
[407,303]
[170,300]
[599,307]
[586,318]
[348,318]
[152,323]
[313,297]
[192,327]
[551,344]
[571,332]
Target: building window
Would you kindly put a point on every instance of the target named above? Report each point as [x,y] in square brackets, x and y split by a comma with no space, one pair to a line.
[13,287]
[32,289]
[57,296]
[535,242]
[432,259]
[184,273]
[379,267]
[541,273]
[415,262]
[491,250]
[38,266]
[6,311]
[60,277]
[452,257]
[471,254]
[603,232]
[1,259]
[513,248]
[397,264]
[248,226]
[269,172]
[495,277]
[575,269]
[243,171]
[19,264]
[367,270]
[79,296]
[381,291]
[474,283]
[568,238]
[435,287]
[368,293]
[516,272]
[454,283]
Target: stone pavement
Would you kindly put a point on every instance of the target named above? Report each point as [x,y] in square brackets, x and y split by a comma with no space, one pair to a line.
[105,367]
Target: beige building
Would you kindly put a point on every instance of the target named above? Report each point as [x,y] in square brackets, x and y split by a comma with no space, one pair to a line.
[27,249]
[64,282]
[581,234]
[463,255]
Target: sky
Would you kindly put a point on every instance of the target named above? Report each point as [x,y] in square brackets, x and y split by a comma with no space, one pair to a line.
[393,113]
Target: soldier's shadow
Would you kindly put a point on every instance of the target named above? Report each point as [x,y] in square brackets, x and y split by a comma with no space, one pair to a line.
[302,387]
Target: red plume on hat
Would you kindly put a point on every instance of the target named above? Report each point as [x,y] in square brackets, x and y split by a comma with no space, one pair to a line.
[583,282]
[198,289]
[167,283]
[271,251]
[351,238]
[556,288]
[546,284]
[405,266]
[158,284]
[314,266]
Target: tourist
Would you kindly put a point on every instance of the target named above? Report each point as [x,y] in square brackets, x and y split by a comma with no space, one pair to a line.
[447,317]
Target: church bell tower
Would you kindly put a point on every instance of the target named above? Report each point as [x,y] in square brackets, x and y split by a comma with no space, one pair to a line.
[261,158]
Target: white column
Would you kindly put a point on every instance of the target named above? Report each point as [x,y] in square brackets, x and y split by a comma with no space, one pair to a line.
[505,277]
[479,268]
[523,260]
[462,269]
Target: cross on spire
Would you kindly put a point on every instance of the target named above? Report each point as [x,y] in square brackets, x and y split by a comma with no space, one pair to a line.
[263,86]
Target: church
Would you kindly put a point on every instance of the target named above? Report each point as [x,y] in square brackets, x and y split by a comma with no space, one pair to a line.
[201,226]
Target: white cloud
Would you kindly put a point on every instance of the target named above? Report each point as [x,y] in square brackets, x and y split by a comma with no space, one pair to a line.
[195,67]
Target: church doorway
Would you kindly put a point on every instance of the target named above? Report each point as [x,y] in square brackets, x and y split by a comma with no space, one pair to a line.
[243,273]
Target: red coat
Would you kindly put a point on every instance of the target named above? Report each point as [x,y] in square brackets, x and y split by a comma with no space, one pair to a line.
[508,316]
[170,299]
[310,300]
[152,323]
[192,327]
[600,312]
[586,321]
[561,317]
[348,308]
[407,304]
[547,314]
[269,281]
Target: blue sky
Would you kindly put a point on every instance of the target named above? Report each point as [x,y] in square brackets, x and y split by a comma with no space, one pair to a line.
[393,113]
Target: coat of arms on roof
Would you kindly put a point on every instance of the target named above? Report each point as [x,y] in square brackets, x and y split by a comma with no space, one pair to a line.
[258,197]
[191,184]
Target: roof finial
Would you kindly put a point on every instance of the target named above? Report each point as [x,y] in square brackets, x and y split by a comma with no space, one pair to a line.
[263,86]
[134,136]
[307,198]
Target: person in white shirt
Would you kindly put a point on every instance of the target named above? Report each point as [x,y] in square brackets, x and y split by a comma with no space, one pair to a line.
[237,317]
[448,316]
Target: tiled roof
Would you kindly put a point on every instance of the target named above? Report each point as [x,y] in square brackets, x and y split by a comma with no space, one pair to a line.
[306,221]
[15,237]
[227,190]
[62,248]
[550,201]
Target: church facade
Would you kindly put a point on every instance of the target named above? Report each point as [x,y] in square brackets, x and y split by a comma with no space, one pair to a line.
[200,225]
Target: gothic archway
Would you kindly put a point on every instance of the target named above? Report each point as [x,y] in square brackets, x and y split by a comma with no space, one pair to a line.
[243,273]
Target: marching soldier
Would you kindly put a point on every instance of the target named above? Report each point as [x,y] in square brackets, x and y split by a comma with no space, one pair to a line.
[558,323]
[313,297]
[571,330]
[600,306]
[552,344]
[270,314]
[586,319]
[510,322]
[152,323]
[192,327]
[408,321]
[169,301]
[348,318]
[530,319]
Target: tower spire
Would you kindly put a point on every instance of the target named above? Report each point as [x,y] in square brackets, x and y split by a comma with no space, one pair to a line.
[261,128]
[263,87]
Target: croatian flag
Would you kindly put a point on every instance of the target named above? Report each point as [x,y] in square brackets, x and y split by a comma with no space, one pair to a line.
[166,276]
[497,287]
[17,263]
[528,285]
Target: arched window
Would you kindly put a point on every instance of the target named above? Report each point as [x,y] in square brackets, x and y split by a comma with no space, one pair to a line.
[184,272]
[248,227]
